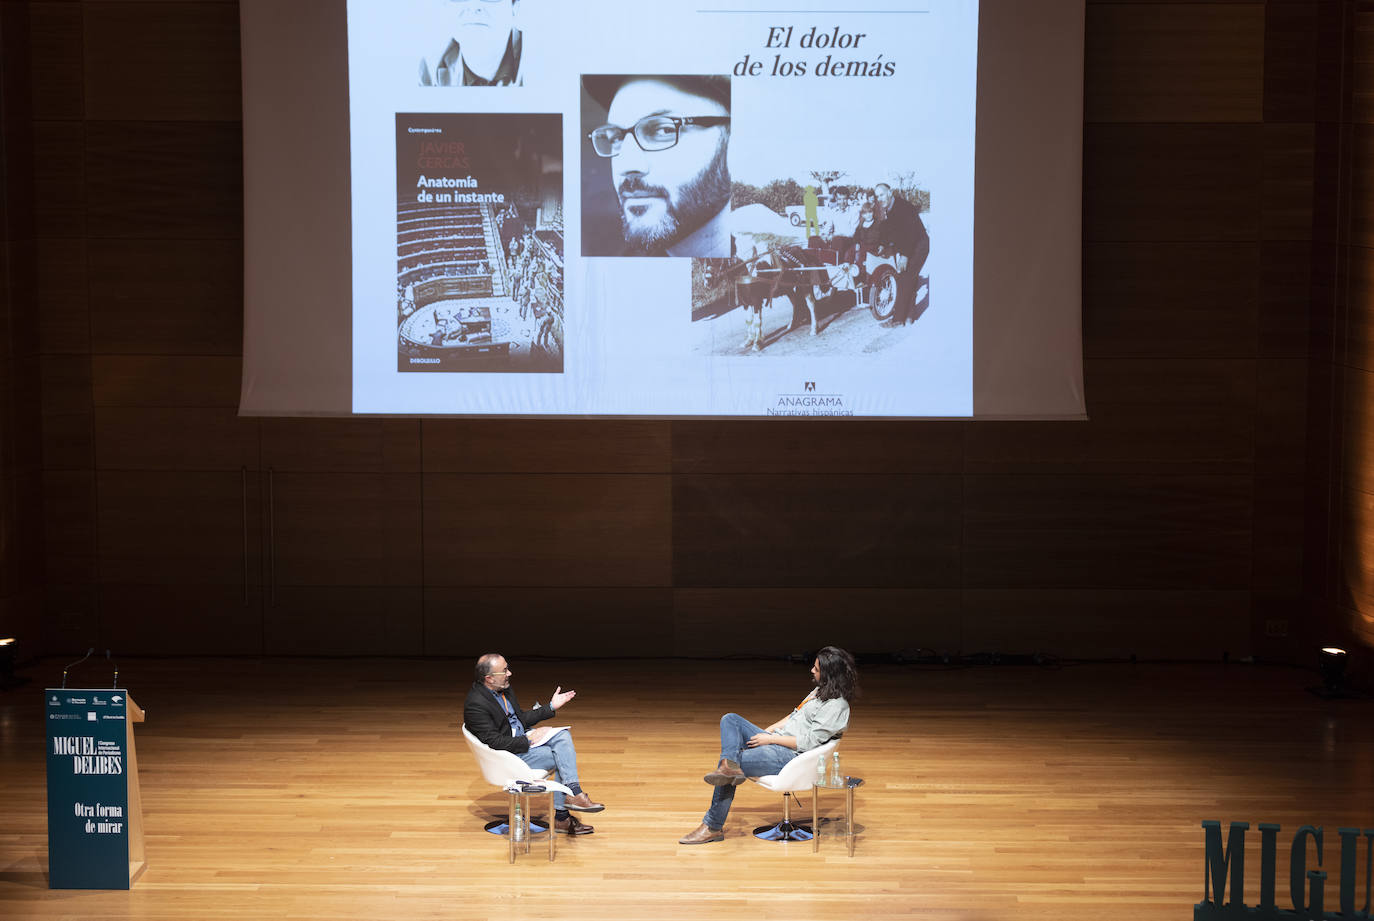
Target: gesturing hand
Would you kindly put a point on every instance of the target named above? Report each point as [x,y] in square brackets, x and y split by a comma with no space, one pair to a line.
[560,697]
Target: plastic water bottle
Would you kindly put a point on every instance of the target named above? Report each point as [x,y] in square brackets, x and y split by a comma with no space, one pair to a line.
[820,772]
[836,778]
[517,822]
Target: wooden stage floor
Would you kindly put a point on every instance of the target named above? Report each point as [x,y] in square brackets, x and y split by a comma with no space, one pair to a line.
[340,789]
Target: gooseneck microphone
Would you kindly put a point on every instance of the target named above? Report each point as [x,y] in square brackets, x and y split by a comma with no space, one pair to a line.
[75,664]
[115,683]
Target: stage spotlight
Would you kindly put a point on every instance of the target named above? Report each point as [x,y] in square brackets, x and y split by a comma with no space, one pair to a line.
[1332,665]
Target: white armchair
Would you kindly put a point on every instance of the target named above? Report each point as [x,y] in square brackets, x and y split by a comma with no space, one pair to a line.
[506,770]
[796,775]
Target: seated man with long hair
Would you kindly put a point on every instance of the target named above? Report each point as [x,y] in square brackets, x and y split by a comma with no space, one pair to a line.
[748,751]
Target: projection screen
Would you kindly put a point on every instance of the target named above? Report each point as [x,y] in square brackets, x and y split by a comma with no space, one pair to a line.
[771,209]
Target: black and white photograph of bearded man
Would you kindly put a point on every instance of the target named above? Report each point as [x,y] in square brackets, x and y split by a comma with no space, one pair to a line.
[656,179]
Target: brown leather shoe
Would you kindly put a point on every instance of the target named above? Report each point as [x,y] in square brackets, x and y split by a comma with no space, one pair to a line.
[702,835]
[726,774]
[582,803]
[571,826]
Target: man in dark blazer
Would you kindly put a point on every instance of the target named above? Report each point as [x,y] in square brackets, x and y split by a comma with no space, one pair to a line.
[903,233]
[493,715]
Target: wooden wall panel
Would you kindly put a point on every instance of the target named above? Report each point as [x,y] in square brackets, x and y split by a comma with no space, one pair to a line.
[1280,521]
[163,61]
[1326,320]
[1181,300]
[67,433]
[525,530]
[69,532]
[66,384]
[174,438]
[1140,532]
[341,445]
[64,316]
[179,528]
[344,529]
[1362,84]
[1278,526]
[1289,160]
[171,619]
[1286,277]
[785,447]
[71,620]
[547,446]
[1291,42]
[1179,183]
[165,380]
[176,297]
[1322,535]
[59,180]
[1146,416]
[561,621]
[68,441]
[165,180]
[26,390]
[352,620]
[1281,401]
[1348,577]
[1359,328]
[1078,623]
[70,560]
[1356,589]
[21,563]
[1361,221]
[1331,179]
[1357,465]
[1190,62]
[55,54]
[778,621]
[1360,625]
[816,530]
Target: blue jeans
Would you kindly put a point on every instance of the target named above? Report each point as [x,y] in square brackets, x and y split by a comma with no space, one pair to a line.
[735,731]
[559,756]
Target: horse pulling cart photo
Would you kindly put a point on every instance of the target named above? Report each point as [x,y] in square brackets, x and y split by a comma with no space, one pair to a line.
[810,276]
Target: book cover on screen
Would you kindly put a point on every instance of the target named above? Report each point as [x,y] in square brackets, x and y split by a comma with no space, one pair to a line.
[479,243]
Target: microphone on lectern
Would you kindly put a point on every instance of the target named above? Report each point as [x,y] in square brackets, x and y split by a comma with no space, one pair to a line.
[115,683]
[75,664]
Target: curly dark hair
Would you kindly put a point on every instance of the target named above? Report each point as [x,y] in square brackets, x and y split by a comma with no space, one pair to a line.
[839,676]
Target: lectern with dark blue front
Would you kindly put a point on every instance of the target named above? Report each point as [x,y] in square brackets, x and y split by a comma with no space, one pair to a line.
[95,811]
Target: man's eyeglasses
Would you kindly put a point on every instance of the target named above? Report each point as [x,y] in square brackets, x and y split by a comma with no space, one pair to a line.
[653,132]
